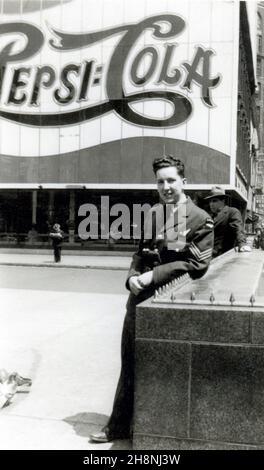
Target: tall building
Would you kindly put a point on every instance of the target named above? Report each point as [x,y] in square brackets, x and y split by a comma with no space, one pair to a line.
[260,110]
[91,92]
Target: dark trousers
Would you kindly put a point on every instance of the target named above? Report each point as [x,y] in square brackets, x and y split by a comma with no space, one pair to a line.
[120,421]
[57,253]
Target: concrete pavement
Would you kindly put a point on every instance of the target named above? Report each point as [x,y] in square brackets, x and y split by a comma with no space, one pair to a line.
[96,260]
[68,342]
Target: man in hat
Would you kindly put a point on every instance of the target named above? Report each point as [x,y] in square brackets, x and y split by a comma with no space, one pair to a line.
[228,224]
[178,239]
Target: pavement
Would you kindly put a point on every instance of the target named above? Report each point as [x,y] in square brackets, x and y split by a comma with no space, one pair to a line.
[61,328]
[94,261]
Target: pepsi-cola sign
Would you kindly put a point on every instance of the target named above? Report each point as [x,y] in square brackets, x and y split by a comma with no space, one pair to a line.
[27,83]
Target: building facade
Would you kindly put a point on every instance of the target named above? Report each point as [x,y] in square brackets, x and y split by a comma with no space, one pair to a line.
[91,92]
[260,111]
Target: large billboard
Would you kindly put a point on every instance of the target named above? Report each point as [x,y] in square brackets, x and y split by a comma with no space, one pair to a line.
[92,90]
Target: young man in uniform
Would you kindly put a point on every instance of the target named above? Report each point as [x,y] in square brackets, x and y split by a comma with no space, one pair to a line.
[178,239]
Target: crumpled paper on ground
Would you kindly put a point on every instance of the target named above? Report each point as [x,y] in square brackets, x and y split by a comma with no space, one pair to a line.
[9,384]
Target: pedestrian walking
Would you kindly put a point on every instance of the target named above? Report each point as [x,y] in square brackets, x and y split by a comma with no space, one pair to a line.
[257,238]
[56,236]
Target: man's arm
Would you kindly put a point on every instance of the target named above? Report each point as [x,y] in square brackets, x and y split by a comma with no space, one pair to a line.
[198,255]
[138,266]
[236,225]
[135,269]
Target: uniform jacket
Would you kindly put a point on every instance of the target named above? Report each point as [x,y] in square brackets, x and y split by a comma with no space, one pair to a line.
[228,230]
[184,244]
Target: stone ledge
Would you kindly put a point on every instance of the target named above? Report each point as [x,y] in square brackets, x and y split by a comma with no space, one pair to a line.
[155,442]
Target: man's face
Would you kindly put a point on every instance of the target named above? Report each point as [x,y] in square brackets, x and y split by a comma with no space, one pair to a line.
[216,204]
[170,184]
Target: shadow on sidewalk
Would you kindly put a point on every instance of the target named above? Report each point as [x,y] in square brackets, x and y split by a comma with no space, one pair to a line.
[86,423]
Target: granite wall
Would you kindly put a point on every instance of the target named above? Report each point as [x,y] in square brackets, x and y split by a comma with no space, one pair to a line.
[199,377]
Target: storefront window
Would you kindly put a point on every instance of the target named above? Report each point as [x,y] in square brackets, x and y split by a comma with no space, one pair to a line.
[259,31]
[258,68]
[15,211]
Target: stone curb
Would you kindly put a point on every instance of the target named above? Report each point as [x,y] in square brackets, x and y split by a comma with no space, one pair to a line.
[74,266]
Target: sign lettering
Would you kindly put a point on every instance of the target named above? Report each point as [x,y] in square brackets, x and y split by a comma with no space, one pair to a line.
[74,82]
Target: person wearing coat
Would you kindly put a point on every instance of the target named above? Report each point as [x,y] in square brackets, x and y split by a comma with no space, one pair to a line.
[57,237]
[177,239]
[228,224]
[258,241]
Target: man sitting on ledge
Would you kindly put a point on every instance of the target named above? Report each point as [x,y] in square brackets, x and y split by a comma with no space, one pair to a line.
[171,246]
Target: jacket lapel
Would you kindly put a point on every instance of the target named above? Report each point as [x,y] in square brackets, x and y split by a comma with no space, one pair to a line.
[176,226]
[221,216]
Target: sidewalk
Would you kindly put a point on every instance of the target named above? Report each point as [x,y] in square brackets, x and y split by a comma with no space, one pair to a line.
[95,261]
[71,353]
[68,342]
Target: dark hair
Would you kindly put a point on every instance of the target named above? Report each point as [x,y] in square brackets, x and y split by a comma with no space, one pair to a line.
[166,161]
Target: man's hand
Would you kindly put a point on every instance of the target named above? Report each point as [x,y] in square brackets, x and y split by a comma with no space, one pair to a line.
[244,248]
[134,285]
[139,283]
[145,279]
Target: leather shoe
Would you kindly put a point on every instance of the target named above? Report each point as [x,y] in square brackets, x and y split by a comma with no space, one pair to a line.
[101,436]
[106,435]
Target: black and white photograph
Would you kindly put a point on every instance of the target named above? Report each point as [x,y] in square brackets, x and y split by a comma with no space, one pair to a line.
[132,227]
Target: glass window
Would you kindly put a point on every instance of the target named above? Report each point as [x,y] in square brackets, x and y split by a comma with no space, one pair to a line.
[259,43]
[259,90]
[259,24]
[259,68]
